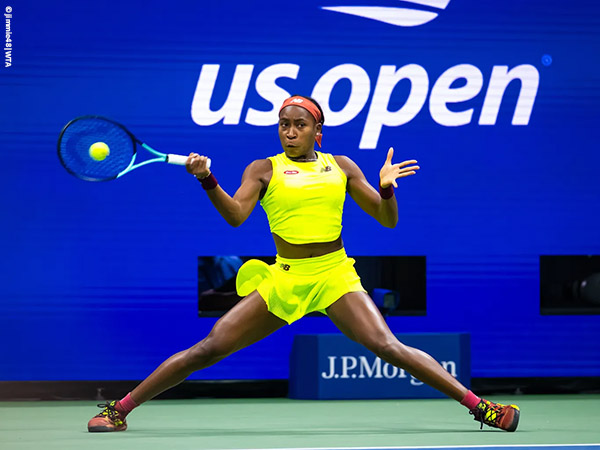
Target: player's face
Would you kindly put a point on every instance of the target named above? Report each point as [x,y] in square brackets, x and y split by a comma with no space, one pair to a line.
[297,131]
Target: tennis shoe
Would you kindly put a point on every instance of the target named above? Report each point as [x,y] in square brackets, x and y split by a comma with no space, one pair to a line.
[497,415]
[110,419]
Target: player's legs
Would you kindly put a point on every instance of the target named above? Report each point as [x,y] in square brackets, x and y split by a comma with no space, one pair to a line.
[246,323]
[357,317]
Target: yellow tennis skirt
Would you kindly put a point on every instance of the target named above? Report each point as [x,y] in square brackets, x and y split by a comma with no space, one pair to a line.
[292,288]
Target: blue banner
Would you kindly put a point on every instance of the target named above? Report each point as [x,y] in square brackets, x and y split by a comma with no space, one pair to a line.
[329,367]
[496,100]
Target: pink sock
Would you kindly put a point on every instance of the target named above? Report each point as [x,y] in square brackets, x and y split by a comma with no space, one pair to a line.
[126,405]
[470,400]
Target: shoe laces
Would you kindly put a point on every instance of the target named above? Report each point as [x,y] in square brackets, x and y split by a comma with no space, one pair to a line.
[488,413]
[110,411]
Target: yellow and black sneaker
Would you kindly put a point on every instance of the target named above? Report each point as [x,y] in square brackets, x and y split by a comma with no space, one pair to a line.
[108,420]
[505,417]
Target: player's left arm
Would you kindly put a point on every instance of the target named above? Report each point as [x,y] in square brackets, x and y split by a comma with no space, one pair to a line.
[385,211]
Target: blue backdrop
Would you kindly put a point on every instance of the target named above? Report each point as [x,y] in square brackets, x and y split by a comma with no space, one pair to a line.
[496,100]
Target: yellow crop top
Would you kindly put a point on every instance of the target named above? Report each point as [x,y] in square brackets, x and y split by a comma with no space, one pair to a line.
[305,200]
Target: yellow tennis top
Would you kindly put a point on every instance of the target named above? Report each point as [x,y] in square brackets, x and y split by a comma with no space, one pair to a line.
[304,201]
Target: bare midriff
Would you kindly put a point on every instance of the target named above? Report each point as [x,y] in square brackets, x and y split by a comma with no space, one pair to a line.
[297,251]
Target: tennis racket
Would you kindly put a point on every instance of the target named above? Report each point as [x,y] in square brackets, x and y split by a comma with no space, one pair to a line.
[95,148]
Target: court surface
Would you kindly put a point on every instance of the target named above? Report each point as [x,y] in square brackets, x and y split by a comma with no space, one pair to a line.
[564,422]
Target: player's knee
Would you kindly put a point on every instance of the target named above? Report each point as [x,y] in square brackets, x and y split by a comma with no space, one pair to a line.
[389,350]
[207,352]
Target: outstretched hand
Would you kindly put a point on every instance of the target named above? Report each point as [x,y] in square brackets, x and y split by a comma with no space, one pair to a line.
[389,173]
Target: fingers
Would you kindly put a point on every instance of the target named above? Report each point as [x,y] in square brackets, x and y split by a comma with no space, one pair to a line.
[188,162]
[197,164]
[400,170]
[391,174]
[407,171]
[406,174]
[406,163]
[390,155]
[196,159]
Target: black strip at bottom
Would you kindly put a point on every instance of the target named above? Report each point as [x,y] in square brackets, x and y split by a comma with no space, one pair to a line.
[110,390]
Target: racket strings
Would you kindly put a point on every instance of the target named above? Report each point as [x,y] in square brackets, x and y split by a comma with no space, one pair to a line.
[81,134]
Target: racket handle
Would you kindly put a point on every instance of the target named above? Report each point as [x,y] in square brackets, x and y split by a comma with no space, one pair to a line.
[180,160]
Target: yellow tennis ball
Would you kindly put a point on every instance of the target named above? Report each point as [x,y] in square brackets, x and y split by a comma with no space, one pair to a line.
[99,151]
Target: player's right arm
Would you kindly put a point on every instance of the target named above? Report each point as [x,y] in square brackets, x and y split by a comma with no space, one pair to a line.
[235,210]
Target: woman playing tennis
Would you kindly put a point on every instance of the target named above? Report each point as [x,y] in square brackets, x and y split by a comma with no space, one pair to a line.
[303,191]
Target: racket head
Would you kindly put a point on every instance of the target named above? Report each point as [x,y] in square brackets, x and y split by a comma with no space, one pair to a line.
[81,133]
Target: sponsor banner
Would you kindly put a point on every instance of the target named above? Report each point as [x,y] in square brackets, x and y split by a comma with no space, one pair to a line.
[444,98]
[331,366]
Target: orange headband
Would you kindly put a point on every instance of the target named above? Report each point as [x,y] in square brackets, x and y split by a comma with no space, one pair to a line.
[307,105]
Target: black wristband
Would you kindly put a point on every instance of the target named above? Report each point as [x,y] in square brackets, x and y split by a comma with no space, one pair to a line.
[209,182]
[386,193]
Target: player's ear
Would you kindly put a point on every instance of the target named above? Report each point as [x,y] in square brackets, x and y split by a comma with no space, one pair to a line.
[319,128]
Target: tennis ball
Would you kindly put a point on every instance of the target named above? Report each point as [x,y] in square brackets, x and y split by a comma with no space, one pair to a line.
[99,151]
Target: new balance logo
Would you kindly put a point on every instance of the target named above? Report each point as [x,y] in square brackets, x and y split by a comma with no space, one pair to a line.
[400,17]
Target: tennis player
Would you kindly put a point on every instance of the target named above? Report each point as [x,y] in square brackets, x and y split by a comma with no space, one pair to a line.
[302,191]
